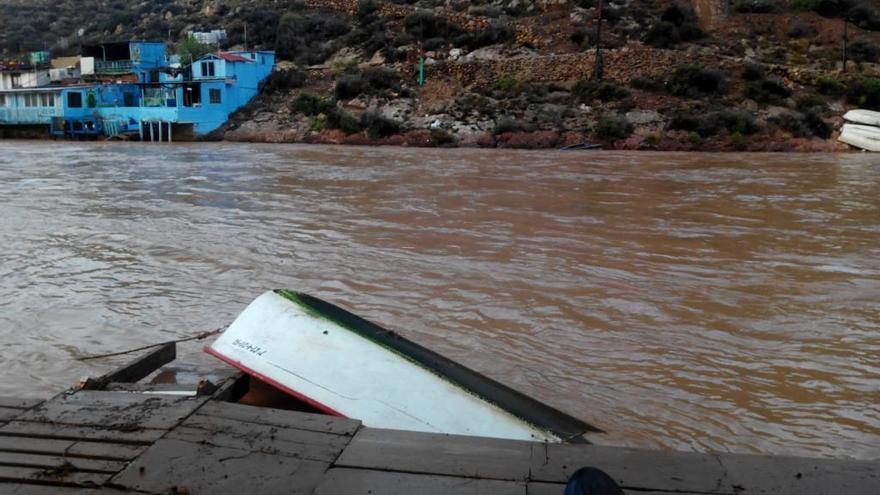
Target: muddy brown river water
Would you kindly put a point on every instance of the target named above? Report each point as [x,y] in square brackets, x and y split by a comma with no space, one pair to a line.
[688,301]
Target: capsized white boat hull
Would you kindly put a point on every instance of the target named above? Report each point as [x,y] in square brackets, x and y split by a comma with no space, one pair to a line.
[867,131]
[346,366]
[866,117]
[860,136]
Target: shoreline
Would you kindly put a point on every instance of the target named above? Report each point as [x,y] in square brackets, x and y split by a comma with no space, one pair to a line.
[511,141]
[671,141]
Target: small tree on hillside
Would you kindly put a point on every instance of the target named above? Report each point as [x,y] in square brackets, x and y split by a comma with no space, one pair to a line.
[190,49]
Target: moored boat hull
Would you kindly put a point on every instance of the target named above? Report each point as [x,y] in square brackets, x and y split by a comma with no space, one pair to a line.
[860,136]
[866,117]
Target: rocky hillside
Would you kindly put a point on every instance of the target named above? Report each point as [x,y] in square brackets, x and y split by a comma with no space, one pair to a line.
[700,74]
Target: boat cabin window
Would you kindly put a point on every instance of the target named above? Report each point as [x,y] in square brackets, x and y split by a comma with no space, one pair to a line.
[31,100]
[75,100]
[215,97]
[2,100]
[47,100]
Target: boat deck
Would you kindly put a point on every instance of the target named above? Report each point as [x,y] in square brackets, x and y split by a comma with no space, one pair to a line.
[110,437]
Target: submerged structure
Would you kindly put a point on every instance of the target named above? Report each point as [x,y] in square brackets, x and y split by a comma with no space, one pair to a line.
[128,90]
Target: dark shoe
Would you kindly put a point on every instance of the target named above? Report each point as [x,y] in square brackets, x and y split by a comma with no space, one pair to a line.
[591,481]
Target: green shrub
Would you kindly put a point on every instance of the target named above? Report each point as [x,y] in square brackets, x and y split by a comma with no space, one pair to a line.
[865,94]
[817,124]
[865,16]
[495,34]
[371,81]
[424,25]
[441,137]
[811,101]
[694,81]
[753,72]
[190,49]
[738,141]
[757,6]
[285,80]
[505,125]
[305,37]
[366,8]
[663,35]
[382,78]
[769,90]
[308,105]
[828,8]
[613,127]
[830,87]
[677,24]
[317,124]
[378,126]
[337,118]
[716,122]
[863,51]
[799,29]
[586,90]
[506,84]
[647,83]
[799,124]
[805,5]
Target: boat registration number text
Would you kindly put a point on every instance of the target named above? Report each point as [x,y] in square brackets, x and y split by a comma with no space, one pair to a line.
[247,346]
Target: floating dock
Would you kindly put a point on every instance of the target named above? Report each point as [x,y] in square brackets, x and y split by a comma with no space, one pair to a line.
[114,435]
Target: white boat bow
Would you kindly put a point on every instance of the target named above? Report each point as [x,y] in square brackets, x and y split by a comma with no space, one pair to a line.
[344,365]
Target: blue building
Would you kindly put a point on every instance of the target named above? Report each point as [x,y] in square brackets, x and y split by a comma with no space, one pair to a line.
[131,89]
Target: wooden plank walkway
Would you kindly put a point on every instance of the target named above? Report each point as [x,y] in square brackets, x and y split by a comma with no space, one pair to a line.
[114,436]
[105,442]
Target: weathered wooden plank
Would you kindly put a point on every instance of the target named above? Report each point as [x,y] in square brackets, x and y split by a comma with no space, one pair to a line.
[281,418]
[430,453]
[61,462]
[209,469]
[54,446]
[632,468]
[801,476]
[18,403]
[127,435]
[364,481]
[175,389]
[534,488]
[35,445]
[8,488]
[103,450]
[559,489]
[252,436]
[59,476]
[8,413]
[138,368]
[114,410]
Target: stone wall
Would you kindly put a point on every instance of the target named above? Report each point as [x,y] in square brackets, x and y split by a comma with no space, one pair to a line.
[621,64]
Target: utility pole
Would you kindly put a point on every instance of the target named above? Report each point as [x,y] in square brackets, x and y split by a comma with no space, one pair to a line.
[845,40]
[599,69]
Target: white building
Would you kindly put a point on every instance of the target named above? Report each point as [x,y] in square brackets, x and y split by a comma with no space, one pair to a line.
[213,37]
[23,78]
